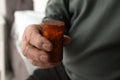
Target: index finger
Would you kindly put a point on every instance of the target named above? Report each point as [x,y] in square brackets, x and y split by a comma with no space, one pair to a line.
[37,40]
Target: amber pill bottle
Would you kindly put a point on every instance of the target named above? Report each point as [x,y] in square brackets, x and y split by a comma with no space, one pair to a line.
[53,30]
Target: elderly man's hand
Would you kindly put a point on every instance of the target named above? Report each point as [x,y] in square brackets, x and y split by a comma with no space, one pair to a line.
[35,47]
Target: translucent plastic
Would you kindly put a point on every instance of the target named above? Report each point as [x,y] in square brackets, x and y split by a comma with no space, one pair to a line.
[53,30]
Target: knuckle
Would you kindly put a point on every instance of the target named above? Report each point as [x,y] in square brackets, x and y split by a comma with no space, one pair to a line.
[45,41]
[39,41]
[35,63]
[28,33]
[39,44]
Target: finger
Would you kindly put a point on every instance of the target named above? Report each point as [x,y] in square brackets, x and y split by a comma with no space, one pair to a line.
[33,53]
[40,42]
[32,35]
[36,59]
[28,31]
[67,40]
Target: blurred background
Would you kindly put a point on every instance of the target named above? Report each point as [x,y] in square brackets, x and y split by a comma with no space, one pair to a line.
[15,15]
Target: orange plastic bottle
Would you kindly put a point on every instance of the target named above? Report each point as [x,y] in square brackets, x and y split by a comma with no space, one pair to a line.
[53,30]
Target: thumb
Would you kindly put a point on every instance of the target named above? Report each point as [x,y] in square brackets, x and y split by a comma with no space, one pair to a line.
[67,39]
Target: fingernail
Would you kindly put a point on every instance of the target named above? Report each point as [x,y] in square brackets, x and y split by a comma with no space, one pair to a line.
[47,47]
[43,58]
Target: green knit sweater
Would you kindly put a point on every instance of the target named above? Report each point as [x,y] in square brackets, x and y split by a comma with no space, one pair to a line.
[94,26]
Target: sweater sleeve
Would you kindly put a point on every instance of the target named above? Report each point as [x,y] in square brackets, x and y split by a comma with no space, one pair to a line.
[58,10]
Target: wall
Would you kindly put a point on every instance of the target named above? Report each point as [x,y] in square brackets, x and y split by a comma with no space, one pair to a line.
[2,7]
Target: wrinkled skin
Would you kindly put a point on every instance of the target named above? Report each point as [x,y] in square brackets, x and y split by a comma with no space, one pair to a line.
[35,47]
